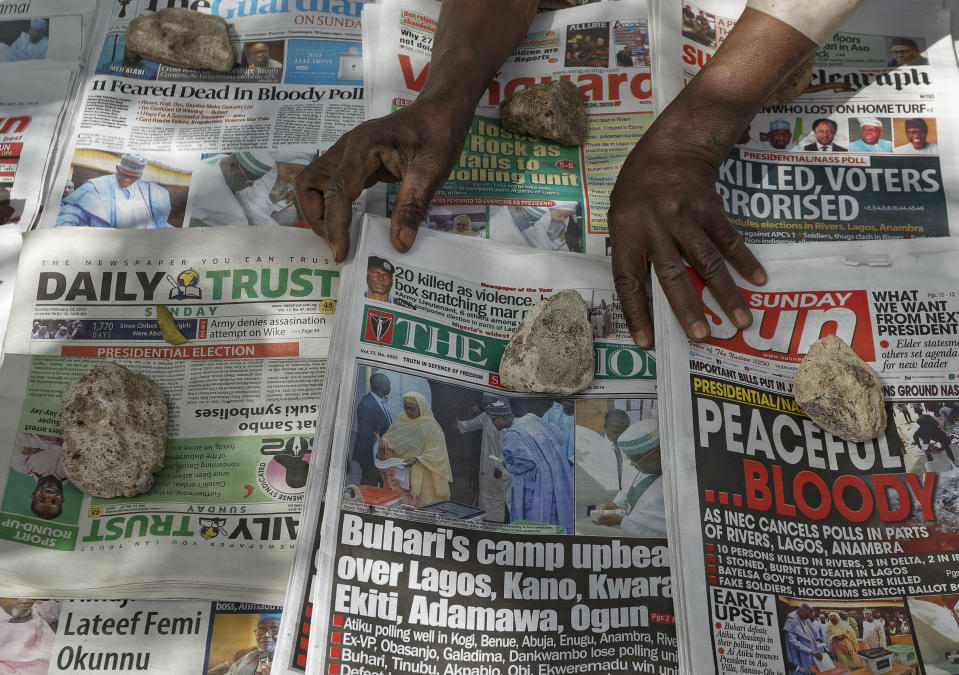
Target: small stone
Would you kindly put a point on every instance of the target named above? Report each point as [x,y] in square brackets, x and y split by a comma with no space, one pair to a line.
[184,38]
[793,85]
[840,392]
[552,110]
[552,350]
[114,431]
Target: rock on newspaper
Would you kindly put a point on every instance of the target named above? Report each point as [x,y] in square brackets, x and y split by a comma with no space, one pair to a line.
[794,549]
[211,148]
[468,528]
[866,152]
[220,523]
[515,188]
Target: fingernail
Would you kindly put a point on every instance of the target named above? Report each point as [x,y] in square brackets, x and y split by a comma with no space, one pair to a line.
[406,236]
[698,330]
[741,317]
[643,338]
[759,277]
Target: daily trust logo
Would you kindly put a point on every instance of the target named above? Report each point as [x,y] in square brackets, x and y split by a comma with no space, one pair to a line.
[785,324]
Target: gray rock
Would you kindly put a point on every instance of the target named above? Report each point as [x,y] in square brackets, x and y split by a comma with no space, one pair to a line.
[114,431]
[182,37]
[552,110]
[793,85]
[840,392]
[552,350]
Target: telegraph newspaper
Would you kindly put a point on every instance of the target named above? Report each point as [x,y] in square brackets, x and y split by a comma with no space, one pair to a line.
[515,188]
[864,153]
[42,46]
[254,312]
[208,148]
[469,529]
[794,549]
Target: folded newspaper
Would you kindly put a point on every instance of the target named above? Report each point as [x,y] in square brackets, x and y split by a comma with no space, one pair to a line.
[492,559]
[220,523]
[789,544]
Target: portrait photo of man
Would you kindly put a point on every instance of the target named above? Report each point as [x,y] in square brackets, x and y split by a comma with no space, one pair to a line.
[905,51]
[870,134]
[30,45]
[779,136]
[917,133]
[379,279]
[825,131]
[257,55]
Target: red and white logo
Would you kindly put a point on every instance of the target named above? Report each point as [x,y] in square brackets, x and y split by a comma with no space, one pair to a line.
[379,326]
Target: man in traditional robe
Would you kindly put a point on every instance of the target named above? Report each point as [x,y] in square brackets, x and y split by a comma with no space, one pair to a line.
[561,417]
[536,459]
[494,482]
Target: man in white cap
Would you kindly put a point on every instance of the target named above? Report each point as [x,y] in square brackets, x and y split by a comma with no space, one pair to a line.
[269,200]
[549,232]
[870,131]
[642,502]
[779,137]
[216,183]
[120,200]
[31,44]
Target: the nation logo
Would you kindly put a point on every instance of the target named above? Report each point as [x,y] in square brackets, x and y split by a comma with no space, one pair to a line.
[379,326]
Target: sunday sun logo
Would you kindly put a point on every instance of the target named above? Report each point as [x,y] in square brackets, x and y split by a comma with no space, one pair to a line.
[379,326]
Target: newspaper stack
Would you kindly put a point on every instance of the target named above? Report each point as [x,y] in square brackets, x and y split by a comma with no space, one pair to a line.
[43,45]
[775,523]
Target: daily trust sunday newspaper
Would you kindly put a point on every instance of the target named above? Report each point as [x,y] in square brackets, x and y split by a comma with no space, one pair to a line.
[214,148]
[528,530]
[220,522]
[516,188]
[882,97]
[793,548]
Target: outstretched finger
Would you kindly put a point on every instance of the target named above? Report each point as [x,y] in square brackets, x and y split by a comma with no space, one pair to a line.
[679,291]
[308,191]
[356,170]
[412,202]
[629,275]
[731,245]
[705,258]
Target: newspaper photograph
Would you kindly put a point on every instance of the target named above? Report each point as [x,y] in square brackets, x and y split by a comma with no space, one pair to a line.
[863,153]
[465,526]
[793,548]
[240,359]
[156,146]
[514,188]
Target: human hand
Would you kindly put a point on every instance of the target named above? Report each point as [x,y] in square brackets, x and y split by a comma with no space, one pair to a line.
[609,519]
[664,208]
[418,144]
[411,461]
[26,450]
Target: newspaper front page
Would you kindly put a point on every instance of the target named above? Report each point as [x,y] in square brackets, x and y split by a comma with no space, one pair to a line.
[866,152]
[205,148]
[243,391]
[793,548]
[514,188]
[471,529]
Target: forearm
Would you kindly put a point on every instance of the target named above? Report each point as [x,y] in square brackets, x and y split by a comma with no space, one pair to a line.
[714,108]
[816,19]
[472,40]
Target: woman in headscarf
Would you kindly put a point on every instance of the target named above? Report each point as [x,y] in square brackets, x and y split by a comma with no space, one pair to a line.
[843,641]
[418,438]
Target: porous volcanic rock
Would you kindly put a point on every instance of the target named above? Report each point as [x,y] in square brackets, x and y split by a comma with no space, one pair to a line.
[114,431]
[552,350]
[840,392]
[184,38]
[551,110]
